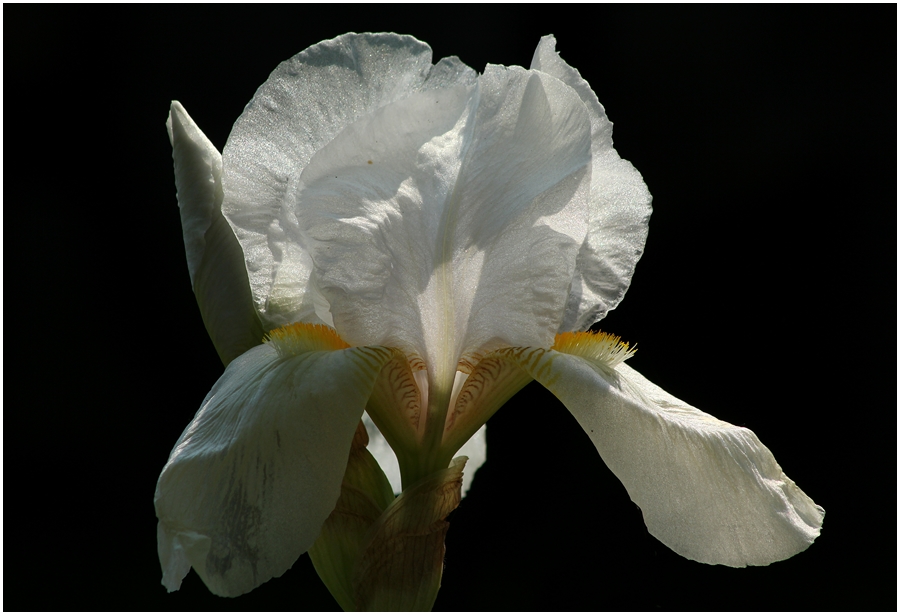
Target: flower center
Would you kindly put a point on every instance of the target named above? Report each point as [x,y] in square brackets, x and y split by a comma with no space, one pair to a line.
[426,426]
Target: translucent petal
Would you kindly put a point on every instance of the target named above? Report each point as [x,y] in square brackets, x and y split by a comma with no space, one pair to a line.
[619,211]
[436,213]
[215,259]
[708,490]
[303,105]
[259,469]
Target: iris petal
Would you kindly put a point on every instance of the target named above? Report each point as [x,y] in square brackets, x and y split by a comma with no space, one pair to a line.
[434,214]
[619,209]
[708,490]
[259,469]
[303,105]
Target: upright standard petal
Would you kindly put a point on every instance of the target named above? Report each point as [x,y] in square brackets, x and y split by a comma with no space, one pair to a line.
[215,259]
[304,104]
[259,469]
[434,214]
[619,209]
[708,490]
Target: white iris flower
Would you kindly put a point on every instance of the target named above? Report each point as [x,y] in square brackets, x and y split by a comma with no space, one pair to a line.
[421,241]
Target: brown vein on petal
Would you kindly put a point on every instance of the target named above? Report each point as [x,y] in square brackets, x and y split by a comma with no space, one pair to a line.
[495,379]
[395,402]
[480,378]
[469,361]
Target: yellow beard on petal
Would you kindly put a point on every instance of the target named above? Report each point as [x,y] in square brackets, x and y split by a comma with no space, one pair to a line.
[301,337]
[601,347]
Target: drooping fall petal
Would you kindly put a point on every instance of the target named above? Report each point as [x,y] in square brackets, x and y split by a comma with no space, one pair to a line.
[708,490]
[215,259]
[259,469]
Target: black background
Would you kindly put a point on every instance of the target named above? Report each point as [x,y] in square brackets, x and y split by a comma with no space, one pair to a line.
[766,295]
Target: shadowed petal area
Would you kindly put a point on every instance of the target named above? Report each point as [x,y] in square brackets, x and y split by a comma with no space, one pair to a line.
[708,490]
[259,469]
[619,208]
[215,259]
[303,105]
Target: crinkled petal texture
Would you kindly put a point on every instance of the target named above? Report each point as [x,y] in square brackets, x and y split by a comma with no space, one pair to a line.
[259,469]
[433,215]
[306,102]
[215,259]
[619,209]
[473,207]
[409,205]
[708,490]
